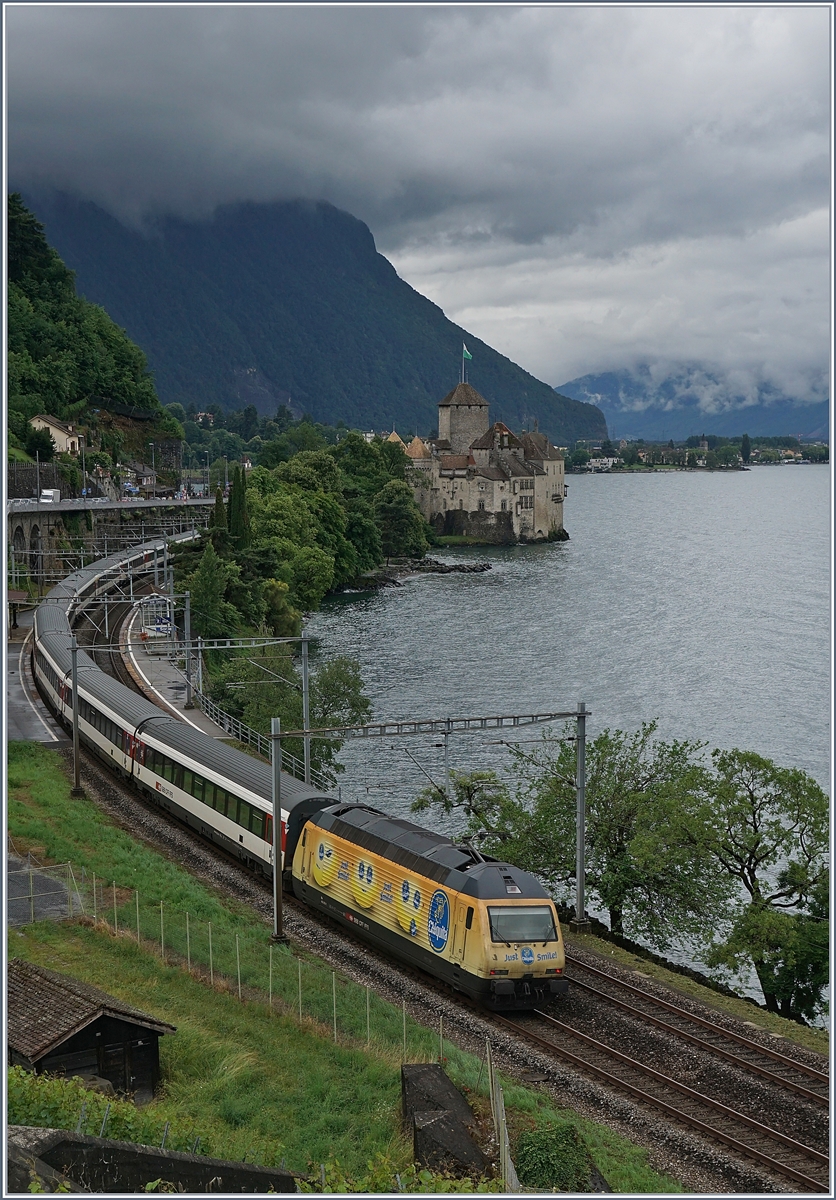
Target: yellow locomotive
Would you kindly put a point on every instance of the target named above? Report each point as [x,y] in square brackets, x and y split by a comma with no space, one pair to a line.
[482,926]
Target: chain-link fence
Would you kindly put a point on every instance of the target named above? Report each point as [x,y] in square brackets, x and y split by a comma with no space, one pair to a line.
[507,1170]
[38,893]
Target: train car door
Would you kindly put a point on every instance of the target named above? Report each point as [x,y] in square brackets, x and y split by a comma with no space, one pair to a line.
[459,931]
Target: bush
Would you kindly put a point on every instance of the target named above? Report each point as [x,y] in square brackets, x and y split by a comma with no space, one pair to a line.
[553,1158]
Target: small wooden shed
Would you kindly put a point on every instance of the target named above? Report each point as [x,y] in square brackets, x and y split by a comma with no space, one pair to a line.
[60,1025]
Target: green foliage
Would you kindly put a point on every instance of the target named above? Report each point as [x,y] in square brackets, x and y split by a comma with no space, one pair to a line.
[552,1158]
[40,444]
[212,615]
[218,518]
[238,517]
[382,1177]
[402,528]
[745,447]
[267,683]
[579,458]
[767,827]
[63,352]
[648,880]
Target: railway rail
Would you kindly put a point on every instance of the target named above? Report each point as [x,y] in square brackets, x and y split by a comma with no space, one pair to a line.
[710,1118]
[742,1052]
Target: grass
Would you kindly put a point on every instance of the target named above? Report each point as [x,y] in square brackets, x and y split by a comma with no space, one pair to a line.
[248,1080]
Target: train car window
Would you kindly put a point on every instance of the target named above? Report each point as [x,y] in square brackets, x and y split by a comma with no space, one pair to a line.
[468,923]
[220,800]
[533,923]
[188,781]
[198,787]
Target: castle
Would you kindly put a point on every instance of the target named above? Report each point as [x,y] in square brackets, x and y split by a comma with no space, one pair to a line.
[482,481]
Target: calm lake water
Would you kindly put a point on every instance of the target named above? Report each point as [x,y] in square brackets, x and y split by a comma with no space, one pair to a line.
[700,599]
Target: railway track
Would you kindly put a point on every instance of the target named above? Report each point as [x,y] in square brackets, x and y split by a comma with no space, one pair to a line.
[750,1139]
[732,1047]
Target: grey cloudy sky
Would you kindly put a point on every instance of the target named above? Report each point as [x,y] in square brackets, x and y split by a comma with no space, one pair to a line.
[583,187]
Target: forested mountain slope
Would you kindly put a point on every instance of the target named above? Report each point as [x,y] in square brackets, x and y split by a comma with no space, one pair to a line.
[290,302]
[65,355]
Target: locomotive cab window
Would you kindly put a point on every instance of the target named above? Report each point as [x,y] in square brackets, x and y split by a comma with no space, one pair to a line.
[513,924]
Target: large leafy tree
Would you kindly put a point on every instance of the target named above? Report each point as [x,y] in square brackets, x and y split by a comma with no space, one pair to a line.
[767,828]
[649,880]
[402,528]
[213,616]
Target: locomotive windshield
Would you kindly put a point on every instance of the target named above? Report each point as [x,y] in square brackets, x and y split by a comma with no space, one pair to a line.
[513,924]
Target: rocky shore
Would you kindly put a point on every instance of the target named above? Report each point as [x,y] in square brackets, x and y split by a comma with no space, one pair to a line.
[398,569]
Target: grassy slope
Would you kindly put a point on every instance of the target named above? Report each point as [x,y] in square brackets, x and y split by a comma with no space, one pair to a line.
[247,1081]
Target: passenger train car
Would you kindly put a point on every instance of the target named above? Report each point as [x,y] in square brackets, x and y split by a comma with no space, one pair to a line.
[486,928]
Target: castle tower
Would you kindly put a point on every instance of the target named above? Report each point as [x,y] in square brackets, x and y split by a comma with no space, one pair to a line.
[462,418]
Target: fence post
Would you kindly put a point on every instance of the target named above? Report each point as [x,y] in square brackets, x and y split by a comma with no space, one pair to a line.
[31,896]
[441,1038]
[238,965]
[368,1019]
[403,1002]
[162,933]
[104,1121]
[188,947]
[69,893]
[136,893]
[211,967]
[270,979]
[299,964]
[334,994]
[94,897]
[115,918]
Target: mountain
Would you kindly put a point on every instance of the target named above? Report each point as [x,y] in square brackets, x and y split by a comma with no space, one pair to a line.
[65,354]
[290,302]
[692,400]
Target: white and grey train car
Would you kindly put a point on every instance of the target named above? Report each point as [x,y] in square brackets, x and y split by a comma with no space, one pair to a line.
[222,793]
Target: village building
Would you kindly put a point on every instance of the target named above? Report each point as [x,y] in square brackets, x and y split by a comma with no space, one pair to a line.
[65,437]
[484,482]
[61,1026]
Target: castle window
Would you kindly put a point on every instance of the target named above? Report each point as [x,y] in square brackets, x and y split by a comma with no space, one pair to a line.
[504,506]
[461,504]
[481,505]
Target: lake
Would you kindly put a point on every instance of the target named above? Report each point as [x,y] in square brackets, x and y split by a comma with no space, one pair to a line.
[699,599]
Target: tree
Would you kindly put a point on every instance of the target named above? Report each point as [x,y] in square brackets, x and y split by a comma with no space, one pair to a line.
[212,615]
[400,522]
[579,458]
[651,881]
[745,447]
[238,517]
[218,518]
[39,443]
[767,829]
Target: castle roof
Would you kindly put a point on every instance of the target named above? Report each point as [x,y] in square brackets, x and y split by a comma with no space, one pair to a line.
[464,394]
[394,437]
[488,441]
[417,449]
[457,462]
[537,445]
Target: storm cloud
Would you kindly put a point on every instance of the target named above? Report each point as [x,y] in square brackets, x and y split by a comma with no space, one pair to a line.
[585,188]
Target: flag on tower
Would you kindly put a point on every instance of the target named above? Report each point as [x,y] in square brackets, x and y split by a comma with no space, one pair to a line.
[465,352]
